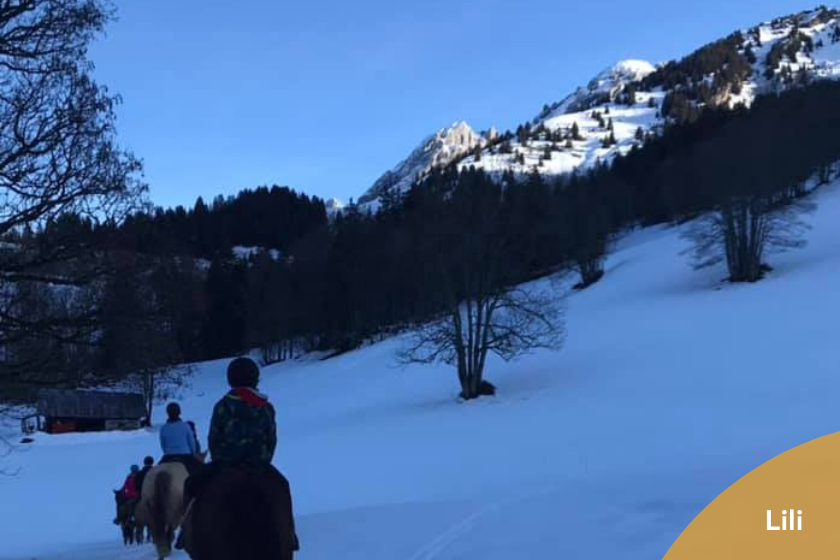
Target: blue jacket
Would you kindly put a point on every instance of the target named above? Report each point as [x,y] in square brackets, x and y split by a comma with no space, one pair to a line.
[176,438]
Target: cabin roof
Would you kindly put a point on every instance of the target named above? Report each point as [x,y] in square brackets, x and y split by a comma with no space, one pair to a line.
[90,404]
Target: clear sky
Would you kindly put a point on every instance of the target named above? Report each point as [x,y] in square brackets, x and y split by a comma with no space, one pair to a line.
[325,95]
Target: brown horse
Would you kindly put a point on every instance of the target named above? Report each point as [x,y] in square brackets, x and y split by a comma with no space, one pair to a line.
[132,533]
[242,514]
[162,504]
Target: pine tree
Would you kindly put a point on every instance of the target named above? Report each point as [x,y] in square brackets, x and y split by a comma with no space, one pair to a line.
[601,121]
[569,144]
[611,127]
[651,103]
[576,135]
[640,134]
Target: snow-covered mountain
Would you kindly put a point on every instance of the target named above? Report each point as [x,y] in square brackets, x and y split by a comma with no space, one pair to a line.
[604,87]
[624,104]
[440,149]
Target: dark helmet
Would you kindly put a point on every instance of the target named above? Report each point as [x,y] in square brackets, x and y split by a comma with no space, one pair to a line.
[135,468]
[243,372]
[148,461]
[173,411]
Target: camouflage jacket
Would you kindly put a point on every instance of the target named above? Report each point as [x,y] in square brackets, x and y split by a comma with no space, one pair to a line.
[243,430]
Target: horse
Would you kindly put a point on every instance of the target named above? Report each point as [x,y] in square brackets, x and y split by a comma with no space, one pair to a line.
[161,504]
[242,514]
[131,532]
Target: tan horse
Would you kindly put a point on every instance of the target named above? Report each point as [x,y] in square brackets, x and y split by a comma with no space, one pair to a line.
[161,505]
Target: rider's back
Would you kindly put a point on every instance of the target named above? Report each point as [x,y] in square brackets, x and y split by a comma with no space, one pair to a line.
[243,429]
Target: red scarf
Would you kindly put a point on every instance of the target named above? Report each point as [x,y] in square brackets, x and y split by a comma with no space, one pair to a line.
[250,397]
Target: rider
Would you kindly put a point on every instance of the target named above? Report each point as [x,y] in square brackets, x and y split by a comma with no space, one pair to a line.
[243,432]
[129,487]
[177,440]
[148,463]
[129,493]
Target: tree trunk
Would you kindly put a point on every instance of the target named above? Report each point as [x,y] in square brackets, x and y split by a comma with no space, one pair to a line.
[590,272]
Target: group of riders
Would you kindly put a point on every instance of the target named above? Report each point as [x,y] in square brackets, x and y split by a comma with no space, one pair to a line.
[243,434]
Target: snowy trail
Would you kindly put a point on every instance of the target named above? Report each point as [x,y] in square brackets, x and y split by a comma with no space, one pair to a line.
[670,388]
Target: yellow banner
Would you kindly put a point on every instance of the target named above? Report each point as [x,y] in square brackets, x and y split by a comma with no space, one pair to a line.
[788,508]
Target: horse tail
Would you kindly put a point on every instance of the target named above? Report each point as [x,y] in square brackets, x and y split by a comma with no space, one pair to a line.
[258,519]
[159,521]
[163,481]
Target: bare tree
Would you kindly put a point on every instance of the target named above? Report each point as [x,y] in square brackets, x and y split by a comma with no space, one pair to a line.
[743,231]
[472,255]
[158,384]
[507,323]
[757,197]
[6,446]
[58,158]
[6,449]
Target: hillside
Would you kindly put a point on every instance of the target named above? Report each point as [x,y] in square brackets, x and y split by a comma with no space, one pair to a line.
[671,386]
[624,104]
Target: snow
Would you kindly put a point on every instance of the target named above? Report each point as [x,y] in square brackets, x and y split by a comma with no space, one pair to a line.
[672,385]
[246,253]
[586,153]
[609,82]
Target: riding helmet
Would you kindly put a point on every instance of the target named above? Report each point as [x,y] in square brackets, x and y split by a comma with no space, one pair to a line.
[135,468]
[243,372]
[173,410]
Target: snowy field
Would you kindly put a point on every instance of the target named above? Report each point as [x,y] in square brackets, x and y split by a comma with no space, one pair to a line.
[671,387]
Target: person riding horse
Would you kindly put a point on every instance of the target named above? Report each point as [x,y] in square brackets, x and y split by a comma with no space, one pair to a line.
[128,495]
[148,463]
[127,498]
[243,435]
[177,440]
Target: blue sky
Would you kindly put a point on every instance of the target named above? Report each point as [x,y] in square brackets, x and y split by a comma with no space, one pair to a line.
[323,96]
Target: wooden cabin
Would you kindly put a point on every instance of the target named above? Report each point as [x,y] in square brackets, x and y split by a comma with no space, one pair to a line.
[62,411]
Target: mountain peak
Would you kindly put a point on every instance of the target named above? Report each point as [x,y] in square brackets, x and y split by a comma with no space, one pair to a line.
[603,87]
[440,149]
[633,68]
